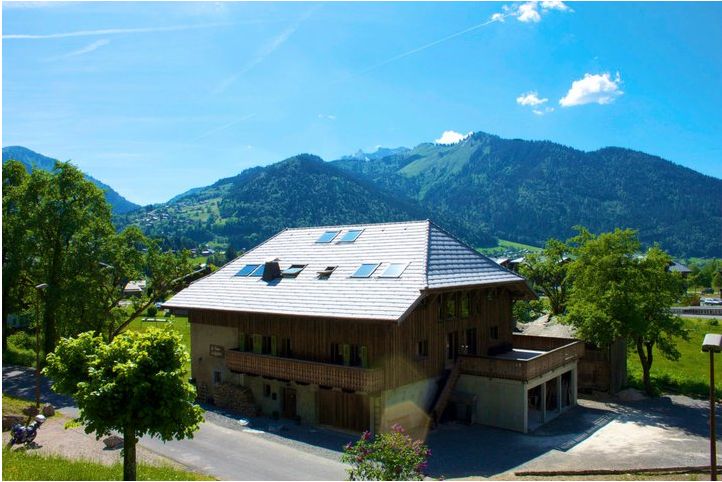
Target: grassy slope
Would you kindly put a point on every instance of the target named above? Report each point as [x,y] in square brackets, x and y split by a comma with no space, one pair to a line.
[690,374]
[21,465]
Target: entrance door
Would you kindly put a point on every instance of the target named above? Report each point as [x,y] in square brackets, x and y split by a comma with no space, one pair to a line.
[289,403]
[452,345]
[343,410]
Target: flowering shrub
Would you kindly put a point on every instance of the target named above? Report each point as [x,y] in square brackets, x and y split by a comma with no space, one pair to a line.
[388,456]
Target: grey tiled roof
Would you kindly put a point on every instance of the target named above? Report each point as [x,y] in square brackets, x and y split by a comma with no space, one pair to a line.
[435,260]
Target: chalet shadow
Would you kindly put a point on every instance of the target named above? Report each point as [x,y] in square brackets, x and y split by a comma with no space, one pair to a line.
[360,327]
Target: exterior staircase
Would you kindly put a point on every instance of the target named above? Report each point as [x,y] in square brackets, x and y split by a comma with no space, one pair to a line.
[445,394]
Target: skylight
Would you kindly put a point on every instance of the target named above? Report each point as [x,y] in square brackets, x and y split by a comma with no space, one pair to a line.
[327,237]
[326,272]
[258,272]
[293,271]
[394,270]
[351,236]
[247,269]
[365,270]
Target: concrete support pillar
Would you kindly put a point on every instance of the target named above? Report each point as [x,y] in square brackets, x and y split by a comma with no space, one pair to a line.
[559,394]
[544,401]
[574,386]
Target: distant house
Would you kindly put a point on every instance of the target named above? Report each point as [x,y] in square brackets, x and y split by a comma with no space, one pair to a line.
[503,262]
[363,326]
[515,263]
[134,288]
[676,267]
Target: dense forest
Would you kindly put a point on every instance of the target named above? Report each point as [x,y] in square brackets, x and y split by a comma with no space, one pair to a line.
[529,191]
[300,191]
[31,160]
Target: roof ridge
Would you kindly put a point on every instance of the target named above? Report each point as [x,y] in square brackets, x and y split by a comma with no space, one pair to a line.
[388,223]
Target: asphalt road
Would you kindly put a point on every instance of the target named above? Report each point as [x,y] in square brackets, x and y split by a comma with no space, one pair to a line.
[224,453]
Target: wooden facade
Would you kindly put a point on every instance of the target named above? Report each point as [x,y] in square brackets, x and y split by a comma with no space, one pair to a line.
[386,354]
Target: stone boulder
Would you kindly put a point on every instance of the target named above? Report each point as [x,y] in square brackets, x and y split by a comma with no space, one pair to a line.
[113,442]
[31,410]
[48,410]
[235,398]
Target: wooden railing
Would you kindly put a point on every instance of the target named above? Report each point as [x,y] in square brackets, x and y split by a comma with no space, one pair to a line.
[531,368]
[339,376]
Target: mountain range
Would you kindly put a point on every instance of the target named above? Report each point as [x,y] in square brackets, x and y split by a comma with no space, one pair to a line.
[480,188]
[32,160]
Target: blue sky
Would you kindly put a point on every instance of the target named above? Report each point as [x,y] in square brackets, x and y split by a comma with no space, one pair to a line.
[156,98]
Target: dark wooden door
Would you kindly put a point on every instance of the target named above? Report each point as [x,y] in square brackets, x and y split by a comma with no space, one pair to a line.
[289,403]
[343,410]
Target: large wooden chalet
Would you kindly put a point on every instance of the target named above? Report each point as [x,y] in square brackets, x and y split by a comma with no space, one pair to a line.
[360,327]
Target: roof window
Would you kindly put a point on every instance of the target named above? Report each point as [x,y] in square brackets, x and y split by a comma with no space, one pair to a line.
[293,271]
[258,272]
[326,272]
[351,236]
[394,270]
[247,269]
[328,236]
[365,270]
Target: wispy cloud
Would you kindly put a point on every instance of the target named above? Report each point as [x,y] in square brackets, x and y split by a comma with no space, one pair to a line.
[222,127]
[530,98]
[529,12]
[263,52]
[451,137]
[593,89]
[110,31]
[84,50]
[327,116]
[542,111]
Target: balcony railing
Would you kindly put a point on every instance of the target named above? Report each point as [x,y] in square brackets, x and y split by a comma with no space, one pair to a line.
[339,376]
[556,352]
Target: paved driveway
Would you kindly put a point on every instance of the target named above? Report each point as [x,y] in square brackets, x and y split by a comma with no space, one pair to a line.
[661,432]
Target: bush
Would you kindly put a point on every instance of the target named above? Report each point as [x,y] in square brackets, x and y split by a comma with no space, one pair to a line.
[690,299]
[388,456]
[152,311]
[22,340]
[526,311]
[21,350]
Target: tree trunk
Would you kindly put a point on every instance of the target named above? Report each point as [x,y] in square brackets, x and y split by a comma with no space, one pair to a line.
[645,359]
[129,463]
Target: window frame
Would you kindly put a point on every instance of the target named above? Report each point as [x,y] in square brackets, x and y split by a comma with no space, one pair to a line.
[347,233]
[330,240]
[255,267]
[384,275]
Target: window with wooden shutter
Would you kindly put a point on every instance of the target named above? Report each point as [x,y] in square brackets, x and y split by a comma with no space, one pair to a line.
[257,344]
[241,342]
[346,351]
[274,346]
[364,355]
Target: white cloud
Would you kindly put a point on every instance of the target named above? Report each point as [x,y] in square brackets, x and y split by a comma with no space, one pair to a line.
[530,98]
[327,116]
[528,12]
[540,111]
[555,5]
[593,89]
[84,50]
[451,137]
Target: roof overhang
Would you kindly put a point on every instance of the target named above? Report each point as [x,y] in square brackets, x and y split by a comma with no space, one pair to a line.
[523,290]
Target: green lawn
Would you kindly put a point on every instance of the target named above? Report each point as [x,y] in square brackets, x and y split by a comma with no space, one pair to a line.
[177,323]
[14,405]
[690,374]
[21,465]
[505,248]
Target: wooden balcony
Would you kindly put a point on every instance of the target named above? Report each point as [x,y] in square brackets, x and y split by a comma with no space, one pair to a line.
[555,352]
[338,376]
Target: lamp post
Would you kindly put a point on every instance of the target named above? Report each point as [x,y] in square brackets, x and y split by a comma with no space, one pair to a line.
[38,289]
[713,344]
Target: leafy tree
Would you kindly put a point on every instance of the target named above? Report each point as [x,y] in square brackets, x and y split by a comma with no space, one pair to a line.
[717,281]
[618,294]
[548,270]
[134,384]
[388,456]
[57,230]
[231,253]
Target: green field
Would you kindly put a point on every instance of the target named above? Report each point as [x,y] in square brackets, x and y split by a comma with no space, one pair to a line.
[690,374]
[508,248]
[21,465]
[177,323]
